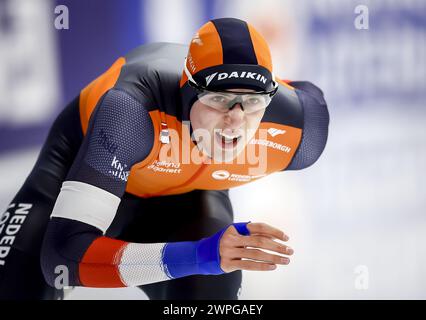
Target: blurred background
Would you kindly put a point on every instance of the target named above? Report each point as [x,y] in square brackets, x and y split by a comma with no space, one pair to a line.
[356,218]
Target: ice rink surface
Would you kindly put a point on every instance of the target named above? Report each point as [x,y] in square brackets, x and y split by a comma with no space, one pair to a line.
[357,215]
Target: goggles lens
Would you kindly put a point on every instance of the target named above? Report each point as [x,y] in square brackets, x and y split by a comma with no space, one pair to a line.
[224,101]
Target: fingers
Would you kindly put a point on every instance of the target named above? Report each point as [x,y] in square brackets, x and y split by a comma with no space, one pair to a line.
[253,265]
[266,229]
[240,252]
[259,255]
[263,243]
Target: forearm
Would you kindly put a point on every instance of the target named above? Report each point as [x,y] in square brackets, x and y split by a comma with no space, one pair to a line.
[93,260]
[74,238]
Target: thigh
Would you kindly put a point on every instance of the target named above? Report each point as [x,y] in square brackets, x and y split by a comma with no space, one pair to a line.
[183,217]
[23,224]
[186,217]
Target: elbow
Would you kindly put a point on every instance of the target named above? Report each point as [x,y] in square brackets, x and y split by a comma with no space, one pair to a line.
[58,271]
[47,265]
[55,270]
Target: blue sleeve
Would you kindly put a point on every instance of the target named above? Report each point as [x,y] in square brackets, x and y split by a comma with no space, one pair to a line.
[315,125]
[120,134]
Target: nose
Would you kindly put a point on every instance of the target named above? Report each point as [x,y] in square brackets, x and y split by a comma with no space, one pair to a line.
[235,116]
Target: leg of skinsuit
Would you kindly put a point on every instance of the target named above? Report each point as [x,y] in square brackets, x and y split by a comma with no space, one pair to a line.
[186,217]
[23,224]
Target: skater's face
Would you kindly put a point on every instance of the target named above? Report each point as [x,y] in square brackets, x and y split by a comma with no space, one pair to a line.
[223,134]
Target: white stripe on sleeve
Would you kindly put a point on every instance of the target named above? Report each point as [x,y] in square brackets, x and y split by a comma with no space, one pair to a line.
[141,263]
[86,203]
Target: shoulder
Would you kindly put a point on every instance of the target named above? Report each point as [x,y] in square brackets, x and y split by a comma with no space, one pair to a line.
[309,88]
[120,134]
[152,73]
[315,125]
[119,110]
[285,108]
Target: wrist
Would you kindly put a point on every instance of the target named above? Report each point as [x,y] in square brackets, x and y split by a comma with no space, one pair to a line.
[208,255]
[186,258]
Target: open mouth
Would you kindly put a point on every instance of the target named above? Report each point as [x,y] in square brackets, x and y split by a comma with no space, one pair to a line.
[227,141]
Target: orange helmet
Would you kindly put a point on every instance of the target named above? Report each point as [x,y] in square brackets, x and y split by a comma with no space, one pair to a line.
[226,53]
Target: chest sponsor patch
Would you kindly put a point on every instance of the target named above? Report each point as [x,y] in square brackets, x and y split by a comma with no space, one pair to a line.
[165,167]
[271,144]
[228,176]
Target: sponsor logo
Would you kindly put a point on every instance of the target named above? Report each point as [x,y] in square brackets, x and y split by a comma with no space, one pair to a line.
[105,140]
[236,75]
[225,175]
[119,170]
[210,78]
[8,232]
[274,132]
[165,167]
[271,144]
[221,175]
[191,63]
